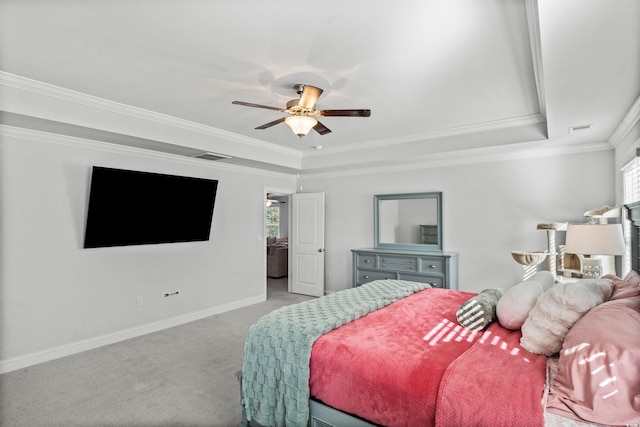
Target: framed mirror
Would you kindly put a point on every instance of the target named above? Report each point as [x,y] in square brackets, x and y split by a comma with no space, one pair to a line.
[408,221]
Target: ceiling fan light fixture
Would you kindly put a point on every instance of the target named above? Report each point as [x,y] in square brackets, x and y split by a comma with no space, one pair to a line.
[300,125]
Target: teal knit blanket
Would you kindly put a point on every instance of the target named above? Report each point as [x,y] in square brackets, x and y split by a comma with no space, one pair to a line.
[275,367]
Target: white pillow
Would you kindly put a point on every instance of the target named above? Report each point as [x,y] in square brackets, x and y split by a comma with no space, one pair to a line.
[545,278]
[557,310]
[516,303]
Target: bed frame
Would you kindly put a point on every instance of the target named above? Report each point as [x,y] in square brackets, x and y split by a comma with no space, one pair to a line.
[321,415]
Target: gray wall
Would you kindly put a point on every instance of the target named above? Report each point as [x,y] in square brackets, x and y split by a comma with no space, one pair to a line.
[58,298]
[489,209]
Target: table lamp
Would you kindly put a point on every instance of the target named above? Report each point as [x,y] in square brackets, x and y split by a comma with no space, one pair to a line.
[594,239]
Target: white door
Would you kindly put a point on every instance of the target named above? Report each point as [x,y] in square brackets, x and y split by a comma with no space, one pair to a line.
[307,244]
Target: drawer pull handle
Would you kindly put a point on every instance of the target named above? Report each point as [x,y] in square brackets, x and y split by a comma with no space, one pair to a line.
[365,276]
[410,261]
[432,266]
[367,261]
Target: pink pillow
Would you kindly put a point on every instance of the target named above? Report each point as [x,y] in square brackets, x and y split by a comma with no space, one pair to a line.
[624,288]
[598,377]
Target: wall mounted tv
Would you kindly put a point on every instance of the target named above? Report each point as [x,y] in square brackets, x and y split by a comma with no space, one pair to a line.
[139,208]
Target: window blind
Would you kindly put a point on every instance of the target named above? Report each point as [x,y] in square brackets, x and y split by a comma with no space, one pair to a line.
[631,181]
[631,184]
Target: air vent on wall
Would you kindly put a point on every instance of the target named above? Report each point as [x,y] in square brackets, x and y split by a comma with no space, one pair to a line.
[207,155]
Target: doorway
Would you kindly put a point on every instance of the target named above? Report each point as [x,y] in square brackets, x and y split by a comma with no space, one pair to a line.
[276,232]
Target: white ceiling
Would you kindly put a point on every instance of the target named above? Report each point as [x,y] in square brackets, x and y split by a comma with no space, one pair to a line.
[438,76]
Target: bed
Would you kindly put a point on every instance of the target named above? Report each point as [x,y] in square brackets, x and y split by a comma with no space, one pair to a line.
[393,353]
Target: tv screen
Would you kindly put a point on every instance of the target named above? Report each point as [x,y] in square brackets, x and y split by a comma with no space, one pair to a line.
[139,208]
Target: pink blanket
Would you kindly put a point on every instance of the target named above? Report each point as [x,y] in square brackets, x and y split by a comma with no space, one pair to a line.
[412,364]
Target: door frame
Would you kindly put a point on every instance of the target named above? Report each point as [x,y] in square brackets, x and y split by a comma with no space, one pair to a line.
[288,192]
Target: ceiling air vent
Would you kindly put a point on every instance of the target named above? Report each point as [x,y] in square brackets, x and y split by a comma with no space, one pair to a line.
[207,155]
[579,128]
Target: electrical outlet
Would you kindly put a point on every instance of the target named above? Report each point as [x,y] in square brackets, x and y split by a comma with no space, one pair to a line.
[139,301]
[172,294]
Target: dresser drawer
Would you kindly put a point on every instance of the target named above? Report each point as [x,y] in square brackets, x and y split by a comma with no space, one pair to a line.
[432,265]
[365,276]
[440,269]
[366,260]
[398,263]
[434,281]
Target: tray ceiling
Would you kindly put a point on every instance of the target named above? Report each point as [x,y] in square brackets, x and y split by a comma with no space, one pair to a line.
[438,76]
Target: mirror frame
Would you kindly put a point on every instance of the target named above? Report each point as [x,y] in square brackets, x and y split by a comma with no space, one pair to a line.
[378,198]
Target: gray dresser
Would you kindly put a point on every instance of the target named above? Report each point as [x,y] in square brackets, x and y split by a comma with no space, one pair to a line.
[440,269]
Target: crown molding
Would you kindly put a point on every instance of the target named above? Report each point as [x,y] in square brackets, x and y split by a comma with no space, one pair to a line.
[629,122]
[72,141]
[443,133]
[533,20]
[57,92]
[520,151]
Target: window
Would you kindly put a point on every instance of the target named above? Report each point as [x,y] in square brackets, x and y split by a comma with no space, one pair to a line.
[631,184]
[273,221]
[631,181]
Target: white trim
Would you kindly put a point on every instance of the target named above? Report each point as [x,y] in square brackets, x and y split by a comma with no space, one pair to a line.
[31,98]
[533,19]
[13,364]
[78,98]
[629,121]
[443,133]
[475,156]
[57,92]
[54,138]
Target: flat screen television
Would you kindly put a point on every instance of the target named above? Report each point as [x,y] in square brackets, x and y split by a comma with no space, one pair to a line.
[139,208]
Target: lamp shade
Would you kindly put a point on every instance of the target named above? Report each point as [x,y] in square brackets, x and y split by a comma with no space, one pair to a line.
[300,125]
[595,239]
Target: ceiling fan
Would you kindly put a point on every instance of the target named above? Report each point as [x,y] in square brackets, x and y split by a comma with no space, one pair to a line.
[271,200]
[301,110]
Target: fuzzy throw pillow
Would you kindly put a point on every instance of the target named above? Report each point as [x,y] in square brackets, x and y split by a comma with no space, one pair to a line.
[557,310]
[479,311]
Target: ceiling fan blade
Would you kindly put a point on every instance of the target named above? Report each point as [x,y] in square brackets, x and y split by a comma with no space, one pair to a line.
[345,113]
[248,104]
[321,129]
[273,123]
[309,97]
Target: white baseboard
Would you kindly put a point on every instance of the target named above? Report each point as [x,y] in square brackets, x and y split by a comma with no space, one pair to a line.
[20,362]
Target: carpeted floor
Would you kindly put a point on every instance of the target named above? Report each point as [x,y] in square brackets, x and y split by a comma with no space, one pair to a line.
[182,376]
